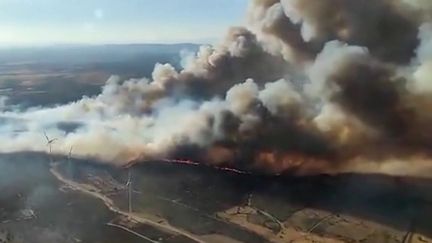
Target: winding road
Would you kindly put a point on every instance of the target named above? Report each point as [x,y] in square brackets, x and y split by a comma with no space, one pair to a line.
[111,206]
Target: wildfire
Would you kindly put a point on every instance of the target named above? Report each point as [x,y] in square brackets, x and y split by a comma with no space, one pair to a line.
[281,162]
[194,163]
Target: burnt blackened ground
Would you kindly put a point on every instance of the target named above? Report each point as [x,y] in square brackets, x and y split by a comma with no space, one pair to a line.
[190,197]
[35,208]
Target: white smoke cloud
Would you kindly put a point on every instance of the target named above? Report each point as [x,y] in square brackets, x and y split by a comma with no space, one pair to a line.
[280,97]
[333,55]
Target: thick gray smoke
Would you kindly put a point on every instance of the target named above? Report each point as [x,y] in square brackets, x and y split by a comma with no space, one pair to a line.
[307,87]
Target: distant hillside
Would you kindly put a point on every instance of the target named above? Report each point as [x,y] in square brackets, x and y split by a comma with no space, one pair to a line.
[83,54]
[64,73]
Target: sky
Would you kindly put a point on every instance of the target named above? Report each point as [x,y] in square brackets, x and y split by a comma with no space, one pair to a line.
[42,22]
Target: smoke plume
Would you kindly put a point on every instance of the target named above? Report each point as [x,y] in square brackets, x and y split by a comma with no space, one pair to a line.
[307,87]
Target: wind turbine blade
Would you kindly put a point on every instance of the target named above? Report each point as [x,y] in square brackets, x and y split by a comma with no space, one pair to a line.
[46,137]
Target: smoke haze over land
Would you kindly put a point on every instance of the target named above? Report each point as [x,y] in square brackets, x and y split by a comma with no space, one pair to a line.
[307,87]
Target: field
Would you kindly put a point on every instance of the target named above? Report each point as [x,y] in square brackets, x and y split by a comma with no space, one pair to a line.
[209,205]
[62,74]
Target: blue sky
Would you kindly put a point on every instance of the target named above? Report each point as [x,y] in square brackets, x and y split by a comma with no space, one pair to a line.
[41,22]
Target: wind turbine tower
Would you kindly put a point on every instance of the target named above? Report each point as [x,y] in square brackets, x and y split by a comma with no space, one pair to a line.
[129,185]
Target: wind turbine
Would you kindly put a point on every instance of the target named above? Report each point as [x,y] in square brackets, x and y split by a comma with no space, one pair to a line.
[69,161]
[70,153]
[49,142]
[129,185]
[249,200]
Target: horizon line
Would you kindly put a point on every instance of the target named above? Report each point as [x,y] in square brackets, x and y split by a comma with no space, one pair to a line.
[210,41]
